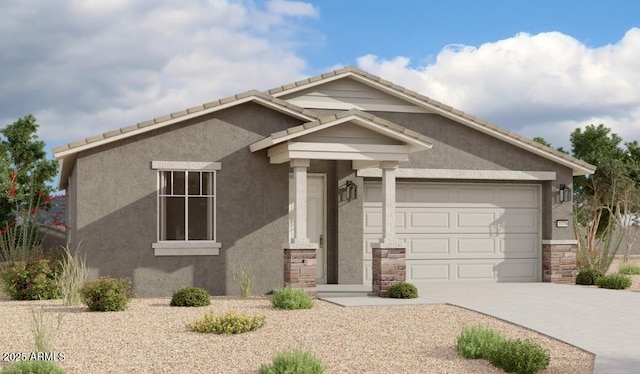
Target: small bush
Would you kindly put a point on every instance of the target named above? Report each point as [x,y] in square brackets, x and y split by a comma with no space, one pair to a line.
[629,269]
[33,367]
[291,298]
[107,294]
[230,323]
[478,342]
[293,361]
[191,296]
[522,357]
[614,282]
[36,278]
[588,277]
[403,291]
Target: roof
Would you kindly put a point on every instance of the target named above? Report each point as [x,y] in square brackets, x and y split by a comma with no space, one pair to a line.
[579,167]
[397,131]
[66,154]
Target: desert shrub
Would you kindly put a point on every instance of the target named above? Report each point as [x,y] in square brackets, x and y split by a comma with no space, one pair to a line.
[36,278]
[230,323]
[293,361]
[588,277]
[20,242]
[478,342]
[520,356]
[291,298]
[72,277]
[33,367]
[629,269]
[513,356]
[107,294]
[246,282]
[403,291]
[191,296]
[614,282]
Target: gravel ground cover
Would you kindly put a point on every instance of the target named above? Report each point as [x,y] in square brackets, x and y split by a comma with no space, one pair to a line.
[151,337]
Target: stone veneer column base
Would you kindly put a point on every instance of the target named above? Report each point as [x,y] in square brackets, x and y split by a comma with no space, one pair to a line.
[300,269]
[559,261]
[388,267]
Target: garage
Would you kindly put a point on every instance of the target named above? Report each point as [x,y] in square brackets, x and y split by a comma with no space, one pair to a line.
[462,231]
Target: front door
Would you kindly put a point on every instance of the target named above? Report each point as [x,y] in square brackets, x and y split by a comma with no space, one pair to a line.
[316,219]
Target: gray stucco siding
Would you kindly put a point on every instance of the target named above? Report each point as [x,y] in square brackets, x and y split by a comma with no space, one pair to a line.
[116,193]
[456,146]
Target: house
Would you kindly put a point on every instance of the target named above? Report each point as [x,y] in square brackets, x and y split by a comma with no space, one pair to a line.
[346,176]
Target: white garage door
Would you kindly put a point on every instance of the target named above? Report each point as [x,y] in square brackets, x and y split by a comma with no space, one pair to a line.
[461,232]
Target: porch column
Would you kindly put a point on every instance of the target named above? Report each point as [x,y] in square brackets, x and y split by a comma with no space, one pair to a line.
[389,263]
[299,167]
[300,255]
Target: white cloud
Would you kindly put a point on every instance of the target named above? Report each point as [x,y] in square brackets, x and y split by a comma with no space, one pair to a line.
[86,67]
[292,8]
[537,85]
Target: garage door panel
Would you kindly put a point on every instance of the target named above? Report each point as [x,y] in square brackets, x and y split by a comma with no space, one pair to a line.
[429,219]
[478,246]
[457,232]
[429,272]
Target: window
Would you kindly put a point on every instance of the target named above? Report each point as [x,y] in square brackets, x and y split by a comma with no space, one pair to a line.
[186,201]
[186,208]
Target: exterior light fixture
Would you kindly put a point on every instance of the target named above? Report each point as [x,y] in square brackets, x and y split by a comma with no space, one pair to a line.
[351,190]
[564,193]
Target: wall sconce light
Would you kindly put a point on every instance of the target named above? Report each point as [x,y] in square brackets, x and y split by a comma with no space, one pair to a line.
[564,193]
[351,190]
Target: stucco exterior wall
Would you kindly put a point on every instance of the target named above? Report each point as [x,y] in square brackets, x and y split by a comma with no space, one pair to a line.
[456,146]
[116,192]
[350,227]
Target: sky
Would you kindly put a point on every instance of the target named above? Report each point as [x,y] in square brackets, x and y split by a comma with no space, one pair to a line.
[538,68]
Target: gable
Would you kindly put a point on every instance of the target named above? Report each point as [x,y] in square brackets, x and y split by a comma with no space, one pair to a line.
[349,133]
[347,93]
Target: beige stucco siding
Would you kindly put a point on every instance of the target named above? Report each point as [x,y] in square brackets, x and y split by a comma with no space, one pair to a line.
[117,192]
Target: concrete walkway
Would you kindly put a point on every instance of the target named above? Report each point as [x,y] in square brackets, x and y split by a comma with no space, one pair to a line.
[604,322]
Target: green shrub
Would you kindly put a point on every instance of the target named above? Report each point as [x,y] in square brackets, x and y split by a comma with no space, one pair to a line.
[517,356]
[522,357]
[478,342]
[36,278]
[191,296]
[629,269]
[33,367]
[614,282]
[293,361]
[291,298]
[230,323]
[588,277]
[403,291]
[72,277]
[107,294]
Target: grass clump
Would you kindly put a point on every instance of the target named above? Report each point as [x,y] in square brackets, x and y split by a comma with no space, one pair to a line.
[291,298]
[588,277]
[520,356]
[478,342]
[629,269]
[107,294]
[33,367]
[191,296]
[513,356]
[293,361]
[403,291]
[72,277]
[230,323]
[614,282]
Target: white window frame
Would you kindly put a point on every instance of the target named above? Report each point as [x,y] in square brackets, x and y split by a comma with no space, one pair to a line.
[186,247]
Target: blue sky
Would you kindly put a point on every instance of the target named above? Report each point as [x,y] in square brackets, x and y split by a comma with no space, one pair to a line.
[539,68]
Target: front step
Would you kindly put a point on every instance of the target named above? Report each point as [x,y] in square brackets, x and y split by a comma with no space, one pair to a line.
[343,290]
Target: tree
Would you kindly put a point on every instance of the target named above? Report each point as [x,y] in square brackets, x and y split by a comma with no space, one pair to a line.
[24,170]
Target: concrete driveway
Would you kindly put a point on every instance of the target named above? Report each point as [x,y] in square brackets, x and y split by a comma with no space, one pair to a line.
[604,322]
